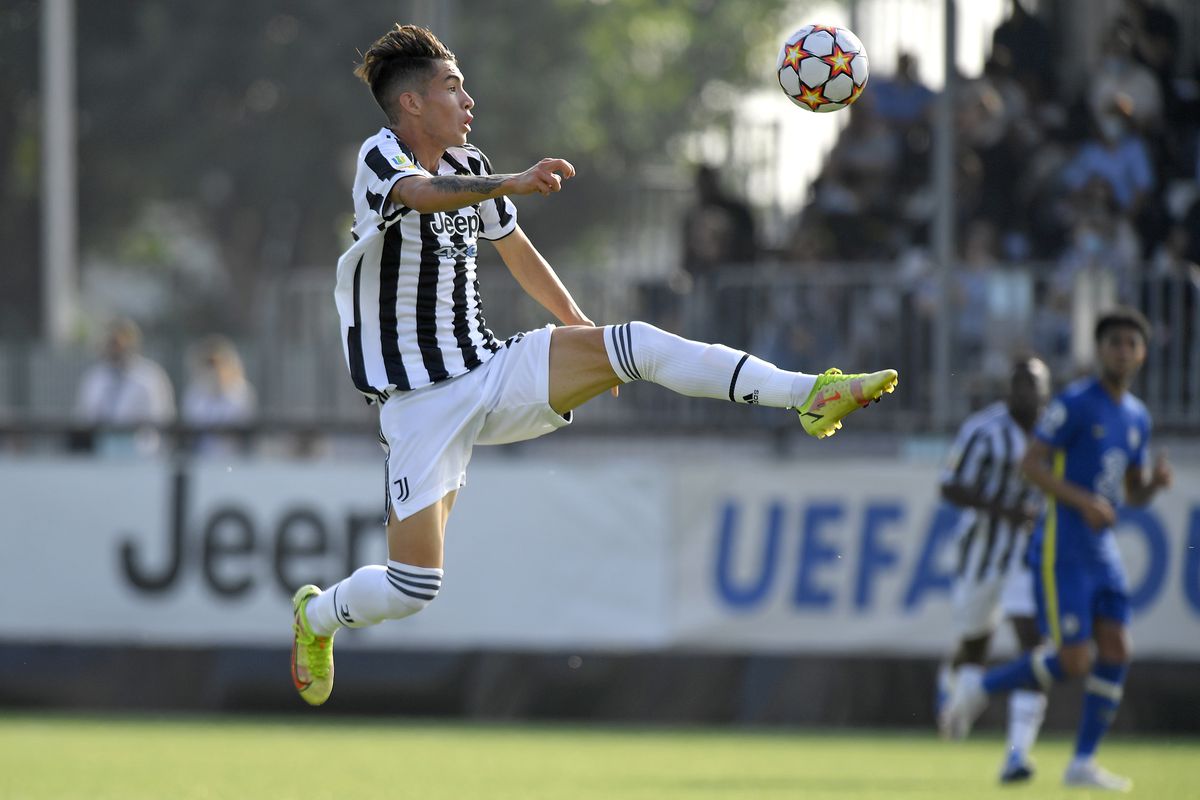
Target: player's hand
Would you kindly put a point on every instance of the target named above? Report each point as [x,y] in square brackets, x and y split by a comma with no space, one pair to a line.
[545,177]
[1023,514]
[1162,476]
[1098,513]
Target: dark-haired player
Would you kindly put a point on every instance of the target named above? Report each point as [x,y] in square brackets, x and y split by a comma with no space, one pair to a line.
[416,343]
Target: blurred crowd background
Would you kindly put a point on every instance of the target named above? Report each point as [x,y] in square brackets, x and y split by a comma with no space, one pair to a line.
[214,149]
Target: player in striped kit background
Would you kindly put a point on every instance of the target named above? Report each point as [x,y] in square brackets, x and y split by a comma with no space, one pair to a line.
[998,508]
[417,345]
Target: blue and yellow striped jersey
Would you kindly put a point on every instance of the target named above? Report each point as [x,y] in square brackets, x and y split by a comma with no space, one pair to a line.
[1095,441]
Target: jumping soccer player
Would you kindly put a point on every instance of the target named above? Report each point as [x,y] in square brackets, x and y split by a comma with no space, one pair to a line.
[998,507]
[1089,445]
[416,343]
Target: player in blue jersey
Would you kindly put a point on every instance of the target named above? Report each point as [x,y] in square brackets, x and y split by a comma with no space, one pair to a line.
[1088,450]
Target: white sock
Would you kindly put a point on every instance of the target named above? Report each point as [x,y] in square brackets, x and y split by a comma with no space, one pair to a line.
[638,351]
[1026,710]
[373,594]
[968,674]
[945,680]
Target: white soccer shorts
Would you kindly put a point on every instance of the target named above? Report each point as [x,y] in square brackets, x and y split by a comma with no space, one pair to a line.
[979,605]
[1016,598]
[430,432]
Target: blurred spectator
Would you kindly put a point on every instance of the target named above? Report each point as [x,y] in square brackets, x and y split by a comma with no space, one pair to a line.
[1120,81]
[218,396]
[1175,256]
[717,230]
[1175,296]
[126,389]
[1157,46]
[854,207]
[1099,268]
[1118,156]
[1102,237]
[1043,212]
[1023,42]
[902,99]
[989,111]
[971,284]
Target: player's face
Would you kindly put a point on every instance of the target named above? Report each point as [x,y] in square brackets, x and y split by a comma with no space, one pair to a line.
[446,107]
[119,346]
[1120,352]
[1029,393]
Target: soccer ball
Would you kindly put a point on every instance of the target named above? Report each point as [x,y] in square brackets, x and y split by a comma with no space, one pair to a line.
[822,68]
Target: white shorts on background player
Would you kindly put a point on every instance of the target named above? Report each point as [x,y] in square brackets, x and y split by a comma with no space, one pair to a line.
[430,432]
[980,605]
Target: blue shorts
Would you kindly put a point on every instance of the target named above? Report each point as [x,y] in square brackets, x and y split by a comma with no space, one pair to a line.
[1072,594]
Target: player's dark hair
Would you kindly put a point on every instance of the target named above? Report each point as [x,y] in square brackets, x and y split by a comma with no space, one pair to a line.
[1123,317]
[402,60]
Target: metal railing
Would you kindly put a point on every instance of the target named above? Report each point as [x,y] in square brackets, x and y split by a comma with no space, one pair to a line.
[800,317]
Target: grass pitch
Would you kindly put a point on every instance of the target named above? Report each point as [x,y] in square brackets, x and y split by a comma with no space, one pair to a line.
[315,756]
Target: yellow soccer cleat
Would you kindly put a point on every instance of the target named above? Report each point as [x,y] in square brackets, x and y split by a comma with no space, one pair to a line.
[835,395]
[312,655]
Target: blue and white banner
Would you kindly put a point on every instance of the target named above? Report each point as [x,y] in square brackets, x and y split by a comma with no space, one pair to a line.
[859,557]
[537,555]
[855,557]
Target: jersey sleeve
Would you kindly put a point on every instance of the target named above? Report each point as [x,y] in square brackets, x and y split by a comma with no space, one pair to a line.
[385,165]
[1058,422]
[498,216]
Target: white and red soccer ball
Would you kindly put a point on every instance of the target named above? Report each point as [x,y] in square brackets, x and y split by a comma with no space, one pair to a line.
[823,67]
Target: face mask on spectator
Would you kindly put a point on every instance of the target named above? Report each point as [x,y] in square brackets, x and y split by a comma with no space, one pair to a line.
[1112,128]
[1091,243]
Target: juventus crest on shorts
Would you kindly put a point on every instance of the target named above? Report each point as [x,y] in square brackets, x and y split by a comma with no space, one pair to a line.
[407,289]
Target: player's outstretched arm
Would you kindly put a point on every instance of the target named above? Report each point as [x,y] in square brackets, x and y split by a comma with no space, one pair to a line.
[537,278]
[452,192]
[1096,511]
[969,497]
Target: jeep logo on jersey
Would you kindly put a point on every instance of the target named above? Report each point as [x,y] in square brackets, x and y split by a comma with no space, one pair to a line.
[459,224]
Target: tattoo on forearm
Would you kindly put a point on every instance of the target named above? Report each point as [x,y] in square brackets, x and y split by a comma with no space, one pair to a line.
[482,184]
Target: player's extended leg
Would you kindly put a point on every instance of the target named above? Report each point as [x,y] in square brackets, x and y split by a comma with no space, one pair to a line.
[1026,710]
[1060,595]
[587,361]
[1041,667]
[971,653]
[1102,694]
[410,581]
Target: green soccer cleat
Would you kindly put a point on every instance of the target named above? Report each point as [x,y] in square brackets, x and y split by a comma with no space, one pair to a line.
[312,655]
[835,395]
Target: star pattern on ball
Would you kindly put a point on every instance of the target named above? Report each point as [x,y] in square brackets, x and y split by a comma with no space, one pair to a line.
[793,55]
[830,29]
[812,98]
[855,92]
[839,62]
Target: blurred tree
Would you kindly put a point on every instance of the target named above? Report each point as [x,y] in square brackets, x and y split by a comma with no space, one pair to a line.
[241,118]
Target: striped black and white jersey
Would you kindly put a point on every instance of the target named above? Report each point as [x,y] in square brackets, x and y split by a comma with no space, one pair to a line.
[407,289]
[986,459]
